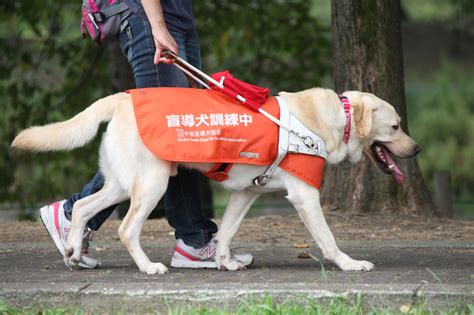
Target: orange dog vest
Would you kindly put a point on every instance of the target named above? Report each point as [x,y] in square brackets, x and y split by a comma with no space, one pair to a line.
[193,125]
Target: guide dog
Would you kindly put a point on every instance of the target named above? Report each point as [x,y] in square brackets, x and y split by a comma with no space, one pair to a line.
[133,172]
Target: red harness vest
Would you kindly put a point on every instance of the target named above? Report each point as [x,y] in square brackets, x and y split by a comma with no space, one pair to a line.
[193,125]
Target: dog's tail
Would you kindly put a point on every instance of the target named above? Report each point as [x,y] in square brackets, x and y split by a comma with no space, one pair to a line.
[72,133]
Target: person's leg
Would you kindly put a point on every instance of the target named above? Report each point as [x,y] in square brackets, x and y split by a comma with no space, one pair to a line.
[195,247]
[193,53]
[182,199]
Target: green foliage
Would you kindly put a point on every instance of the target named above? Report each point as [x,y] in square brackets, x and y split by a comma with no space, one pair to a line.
[441,116]
[47,73]
[438,10]
[276,44]
[421,10]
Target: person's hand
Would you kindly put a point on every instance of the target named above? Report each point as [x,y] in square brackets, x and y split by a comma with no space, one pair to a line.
[163,41]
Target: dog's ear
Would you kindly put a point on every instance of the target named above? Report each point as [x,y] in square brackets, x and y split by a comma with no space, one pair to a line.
[362,115]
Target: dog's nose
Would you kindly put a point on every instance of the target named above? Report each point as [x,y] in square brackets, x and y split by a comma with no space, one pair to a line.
[417,149]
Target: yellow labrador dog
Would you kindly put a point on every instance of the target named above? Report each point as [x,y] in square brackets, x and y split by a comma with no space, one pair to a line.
[133,172]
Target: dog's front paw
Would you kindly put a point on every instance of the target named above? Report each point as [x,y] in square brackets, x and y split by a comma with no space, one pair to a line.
[231,266]
[71,258]
[154,268]
[357,265]
[365,265]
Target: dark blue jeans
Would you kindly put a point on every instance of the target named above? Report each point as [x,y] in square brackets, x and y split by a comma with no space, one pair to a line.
[182,199]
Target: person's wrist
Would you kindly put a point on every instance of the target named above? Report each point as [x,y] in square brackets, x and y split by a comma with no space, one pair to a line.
[158,27]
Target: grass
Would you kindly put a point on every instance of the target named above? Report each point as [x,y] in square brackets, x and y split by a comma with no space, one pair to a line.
[269,306]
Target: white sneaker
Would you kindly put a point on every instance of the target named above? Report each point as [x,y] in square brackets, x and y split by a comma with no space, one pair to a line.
[185,256]
[58,227]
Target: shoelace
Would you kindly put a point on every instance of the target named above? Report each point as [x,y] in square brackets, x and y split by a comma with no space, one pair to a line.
[86,239]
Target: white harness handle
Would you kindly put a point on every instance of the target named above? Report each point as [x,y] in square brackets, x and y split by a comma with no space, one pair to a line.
[200,76]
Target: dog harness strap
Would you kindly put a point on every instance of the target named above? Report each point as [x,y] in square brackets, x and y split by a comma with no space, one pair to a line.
[347,111]
[283,138]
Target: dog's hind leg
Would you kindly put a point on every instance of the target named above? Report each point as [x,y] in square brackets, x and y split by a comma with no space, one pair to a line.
[84,209]
[305,199]
[146,191]
[239,203]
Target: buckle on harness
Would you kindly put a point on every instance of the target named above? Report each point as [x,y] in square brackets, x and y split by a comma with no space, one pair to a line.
[261,180]
[309,142]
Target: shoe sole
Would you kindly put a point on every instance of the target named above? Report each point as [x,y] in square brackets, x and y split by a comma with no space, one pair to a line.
[180,263]
[250,263]
[57,241]
[246,264]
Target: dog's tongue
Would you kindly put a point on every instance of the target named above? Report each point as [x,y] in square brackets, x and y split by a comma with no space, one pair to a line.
[396,172]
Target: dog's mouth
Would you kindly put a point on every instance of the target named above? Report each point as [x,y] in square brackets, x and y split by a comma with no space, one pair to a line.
[381,156]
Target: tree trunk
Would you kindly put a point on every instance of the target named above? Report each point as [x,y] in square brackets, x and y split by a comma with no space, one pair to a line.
[368,57]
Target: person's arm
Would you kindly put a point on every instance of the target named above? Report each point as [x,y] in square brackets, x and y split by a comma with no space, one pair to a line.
[161,35]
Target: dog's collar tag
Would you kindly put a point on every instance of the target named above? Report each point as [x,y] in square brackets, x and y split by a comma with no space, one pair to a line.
[347,111]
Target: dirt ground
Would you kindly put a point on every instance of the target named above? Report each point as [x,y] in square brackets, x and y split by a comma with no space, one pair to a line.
[272,229]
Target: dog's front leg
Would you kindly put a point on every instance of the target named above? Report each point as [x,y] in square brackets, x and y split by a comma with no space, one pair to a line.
[239,203]
[73,250]
[83,211]
[305,199]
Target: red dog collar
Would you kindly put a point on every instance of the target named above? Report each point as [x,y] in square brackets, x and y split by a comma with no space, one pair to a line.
[347,111]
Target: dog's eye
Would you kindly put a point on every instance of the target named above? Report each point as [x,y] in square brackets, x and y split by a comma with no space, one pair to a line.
[395,127]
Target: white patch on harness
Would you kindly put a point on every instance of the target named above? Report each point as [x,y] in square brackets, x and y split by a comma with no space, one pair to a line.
[251,155]
[294,138]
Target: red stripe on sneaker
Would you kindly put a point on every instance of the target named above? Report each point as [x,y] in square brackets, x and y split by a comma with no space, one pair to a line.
[185,254]
[56,217]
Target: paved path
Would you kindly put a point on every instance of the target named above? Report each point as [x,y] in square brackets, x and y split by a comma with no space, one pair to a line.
[441,272]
